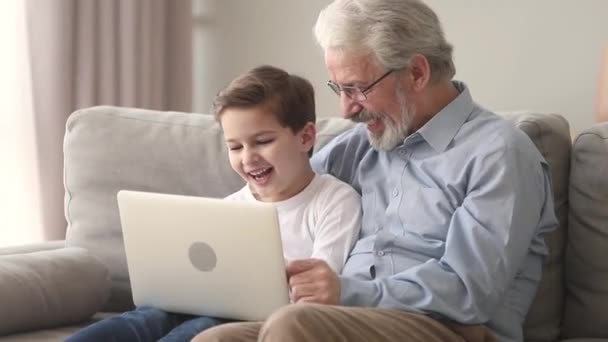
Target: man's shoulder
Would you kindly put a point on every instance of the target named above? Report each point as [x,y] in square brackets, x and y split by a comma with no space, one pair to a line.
[354,138]
[487,133]
[342,154]
[495,131]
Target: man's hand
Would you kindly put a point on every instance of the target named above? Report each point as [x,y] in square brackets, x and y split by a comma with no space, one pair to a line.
[313,281]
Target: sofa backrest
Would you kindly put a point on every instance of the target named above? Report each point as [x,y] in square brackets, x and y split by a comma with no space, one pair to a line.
[551,135]
[586,312]
[107,149]
[110,148]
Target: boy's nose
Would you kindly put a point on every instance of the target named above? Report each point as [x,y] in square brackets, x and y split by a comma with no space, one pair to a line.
[250,157]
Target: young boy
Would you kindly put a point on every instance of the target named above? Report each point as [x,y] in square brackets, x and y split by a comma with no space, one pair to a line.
[267,117]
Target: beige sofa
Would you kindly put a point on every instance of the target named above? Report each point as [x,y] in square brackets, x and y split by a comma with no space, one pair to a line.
[52,289]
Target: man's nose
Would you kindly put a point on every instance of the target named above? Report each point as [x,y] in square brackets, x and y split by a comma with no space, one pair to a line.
[348,106]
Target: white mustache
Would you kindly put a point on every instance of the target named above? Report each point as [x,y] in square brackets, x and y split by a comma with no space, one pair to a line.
[364,116]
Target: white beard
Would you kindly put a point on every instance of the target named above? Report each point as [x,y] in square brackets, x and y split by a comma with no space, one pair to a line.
[394,132]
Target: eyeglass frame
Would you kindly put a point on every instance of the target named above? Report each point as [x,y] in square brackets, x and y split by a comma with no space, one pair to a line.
[363,91]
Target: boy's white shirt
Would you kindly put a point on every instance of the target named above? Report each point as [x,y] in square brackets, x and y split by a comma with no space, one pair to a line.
[322,221]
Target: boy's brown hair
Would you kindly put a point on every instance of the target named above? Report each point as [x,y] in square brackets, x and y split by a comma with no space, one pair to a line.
[290,98]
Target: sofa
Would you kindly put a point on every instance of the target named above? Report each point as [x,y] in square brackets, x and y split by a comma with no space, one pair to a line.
[49,290]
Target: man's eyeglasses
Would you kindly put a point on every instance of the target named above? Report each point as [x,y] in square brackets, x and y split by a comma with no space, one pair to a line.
[356,93]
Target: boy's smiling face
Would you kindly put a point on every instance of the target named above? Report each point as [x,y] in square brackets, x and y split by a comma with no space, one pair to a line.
[271,158]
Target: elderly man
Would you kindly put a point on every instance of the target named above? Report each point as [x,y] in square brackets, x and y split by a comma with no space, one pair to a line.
[456,200]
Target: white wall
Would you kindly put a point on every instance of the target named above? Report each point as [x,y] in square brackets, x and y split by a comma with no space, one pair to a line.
[540,55]
[236,35]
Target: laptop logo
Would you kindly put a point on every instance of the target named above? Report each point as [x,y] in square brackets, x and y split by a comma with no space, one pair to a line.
[202,257]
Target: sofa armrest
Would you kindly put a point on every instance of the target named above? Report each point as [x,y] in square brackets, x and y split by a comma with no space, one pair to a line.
[50,288]
[32,247]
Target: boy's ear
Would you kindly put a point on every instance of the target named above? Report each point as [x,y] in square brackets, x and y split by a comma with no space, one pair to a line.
[307,137]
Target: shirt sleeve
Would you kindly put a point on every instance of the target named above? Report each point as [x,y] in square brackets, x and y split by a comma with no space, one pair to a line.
[337,226]
[507,205]
[332,157]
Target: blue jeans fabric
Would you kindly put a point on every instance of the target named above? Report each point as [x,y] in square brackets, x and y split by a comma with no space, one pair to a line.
[146,324]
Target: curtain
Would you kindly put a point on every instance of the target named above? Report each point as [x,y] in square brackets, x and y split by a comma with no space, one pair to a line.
[135,53]
[601,107]
[20,217]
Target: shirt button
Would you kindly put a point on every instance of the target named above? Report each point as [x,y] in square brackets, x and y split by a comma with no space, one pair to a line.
[395,192]
[402,152]
[380,253]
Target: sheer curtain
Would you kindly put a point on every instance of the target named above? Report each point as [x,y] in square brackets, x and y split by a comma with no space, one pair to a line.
[81,53]
[601,110]
[20,218]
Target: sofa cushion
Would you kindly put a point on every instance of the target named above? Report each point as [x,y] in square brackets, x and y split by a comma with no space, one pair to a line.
[55,334]
[551,135]
[50,288]
[587,250]
[108,149]
[32,247]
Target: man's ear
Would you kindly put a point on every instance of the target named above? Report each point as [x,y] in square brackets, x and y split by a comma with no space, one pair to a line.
[419,72]
[307,136]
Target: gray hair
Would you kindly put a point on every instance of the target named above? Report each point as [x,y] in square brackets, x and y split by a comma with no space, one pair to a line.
[393,30]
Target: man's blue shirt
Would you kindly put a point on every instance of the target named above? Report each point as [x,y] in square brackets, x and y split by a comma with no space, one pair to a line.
[453,218]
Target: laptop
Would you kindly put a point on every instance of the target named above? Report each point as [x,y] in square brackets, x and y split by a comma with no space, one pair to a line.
[203,256]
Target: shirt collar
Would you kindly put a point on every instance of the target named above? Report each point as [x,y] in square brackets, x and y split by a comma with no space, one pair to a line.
[442,128]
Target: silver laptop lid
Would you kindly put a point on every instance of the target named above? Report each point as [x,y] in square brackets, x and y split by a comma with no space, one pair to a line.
[203,256]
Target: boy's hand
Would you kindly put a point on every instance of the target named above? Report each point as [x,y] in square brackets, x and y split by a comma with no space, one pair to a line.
[313,281]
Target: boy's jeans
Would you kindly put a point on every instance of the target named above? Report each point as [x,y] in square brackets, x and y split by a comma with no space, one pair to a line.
[146,324]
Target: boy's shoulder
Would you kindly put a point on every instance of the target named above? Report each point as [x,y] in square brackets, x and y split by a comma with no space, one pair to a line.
[331,187]
[329,179]
[332,196]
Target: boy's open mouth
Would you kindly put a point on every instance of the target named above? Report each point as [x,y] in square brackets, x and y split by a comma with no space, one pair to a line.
[261,175]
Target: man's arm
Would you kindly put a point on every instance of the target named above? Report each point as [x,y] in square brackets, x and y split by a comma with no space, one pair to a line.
[341,156]
[508,203]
